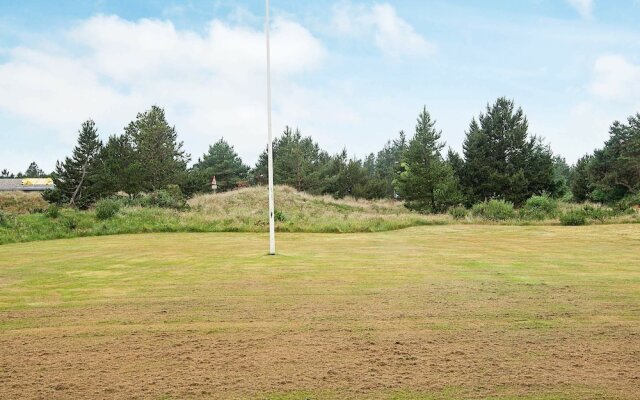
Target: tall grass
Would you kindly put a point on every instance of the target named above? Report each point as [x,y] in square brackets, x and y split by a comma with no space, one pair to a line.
[245,210]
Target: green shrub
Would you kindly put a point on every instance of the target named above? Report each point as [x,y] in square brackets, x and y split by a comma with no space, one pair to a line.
[107,209]
[573,218]
[169,197]
[539,208]
[4,218]
[630,204]
[53,196]
[279,216]
[458,212]
[494,210]
[53,211]
[70,222]
[597,213]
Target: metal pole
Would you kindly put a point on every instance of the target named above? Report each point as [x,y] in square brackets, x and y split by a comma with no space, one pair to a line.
[272,233]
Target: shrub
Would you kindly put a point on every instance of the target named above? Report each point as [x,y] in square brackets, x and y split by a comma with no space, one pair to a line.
[70,222]
[539,207]
[4,218]
[573,218]
[169,197]
[53,211]
[53,196]
[494,210]
[279,216]
[458,212]
[630,204]
[107,209]
[597,213]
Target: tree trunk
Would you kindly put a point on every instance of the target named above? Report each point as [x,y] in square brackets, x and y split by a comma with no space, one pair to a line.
[77,191]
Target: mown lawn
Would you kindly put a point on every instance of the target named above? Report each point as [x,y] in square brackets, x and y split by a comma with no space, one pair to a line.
[438,312]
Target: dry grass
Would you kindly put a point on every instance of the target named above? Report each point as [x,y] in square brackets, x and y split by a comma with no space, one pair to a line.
[442,312]
[301,212]
[22,202]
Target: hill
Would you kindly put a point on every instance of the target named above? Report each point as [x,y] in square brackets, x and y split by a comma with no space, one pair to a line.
[301,212]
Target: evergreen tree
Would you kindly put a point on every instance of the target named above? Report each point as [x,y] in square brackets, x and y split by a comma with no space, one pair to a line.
[117,169]
[580,181]
[388,163]
[297,161]
[158,153]
[502,160]
[33,171]
[73,177]
[223,162]
[561,176]
[615,169]
[427,182]
[6,174]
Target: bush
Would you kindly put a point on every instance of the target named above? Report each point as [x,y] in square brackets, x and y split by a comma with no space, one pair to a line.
[70,222]
[630,204]
[494,210]
[169,197]
[107,209]
[539,208]
[573,218]
[4,218]
[53,211]
[597,213]
[53,196]
[279,216]
[458,212]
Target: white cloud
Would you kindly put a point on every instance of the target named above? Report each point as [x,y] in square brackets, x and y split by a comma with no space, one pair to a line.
[615,78]
[584,7]
[211,84]
[380,23]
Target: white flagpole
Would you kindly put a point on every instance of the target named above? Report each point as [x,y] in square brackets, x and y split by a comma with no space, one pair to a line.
[272,233]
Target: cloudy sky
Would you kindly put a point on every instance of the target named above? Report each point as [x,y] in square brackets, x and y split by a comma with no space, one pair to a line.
[349,73]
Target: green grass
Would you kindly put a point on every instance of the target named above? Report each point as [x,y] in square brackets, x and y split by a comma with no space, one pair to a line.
[439,312]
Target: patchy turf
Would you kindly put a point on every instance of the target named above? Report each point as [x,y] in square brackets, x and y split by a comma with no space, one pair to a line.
[439,312]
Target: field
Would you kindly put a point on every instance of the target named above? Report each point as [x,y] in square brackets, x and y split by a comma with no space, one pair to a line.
[433,312]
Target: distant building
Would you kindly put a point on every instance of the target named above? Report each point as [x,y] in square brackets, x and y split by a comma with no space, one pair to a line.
[26,185]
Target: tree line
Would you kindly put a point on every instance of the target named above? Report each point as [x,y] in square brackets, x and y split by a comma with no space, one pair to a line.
[500,159]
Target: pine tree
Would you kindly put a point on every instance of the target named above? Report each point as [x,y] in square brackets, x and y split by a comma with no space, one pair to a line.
[73,177]
[297,161]
[615,169]
[388,163]
[34,171]
[117,169]
[581,181]
[502,160]
[220,161]
[427,182]
[158,153]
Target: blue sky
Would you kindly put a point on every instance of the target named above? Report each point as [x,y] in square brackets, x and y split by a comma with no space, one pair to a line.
[349,73]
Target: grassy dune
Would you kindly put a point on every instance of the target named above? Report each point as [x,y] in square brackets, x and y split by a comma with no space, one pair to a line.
[243,210]
[239,211]
[440,312]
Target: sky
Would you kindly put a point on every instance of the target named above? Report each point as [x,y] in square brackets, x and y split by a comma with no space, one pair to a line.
[351,74]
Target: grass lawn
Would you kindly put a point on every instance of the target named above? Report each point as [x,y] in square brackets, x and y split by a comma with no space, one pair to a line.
[437,312]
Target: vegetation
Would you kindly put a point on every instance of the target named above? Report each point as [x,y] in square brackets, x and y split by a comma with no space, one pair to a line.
[107,209]
[573,218]
[539,208]
[459,309]
[427,182]
[501,160]
[494,210]
[74,177]
[611,174]
[244,210]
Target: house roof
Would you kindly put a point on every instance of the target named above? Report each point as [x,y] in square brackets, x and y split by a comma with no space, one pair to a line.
[17,185]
